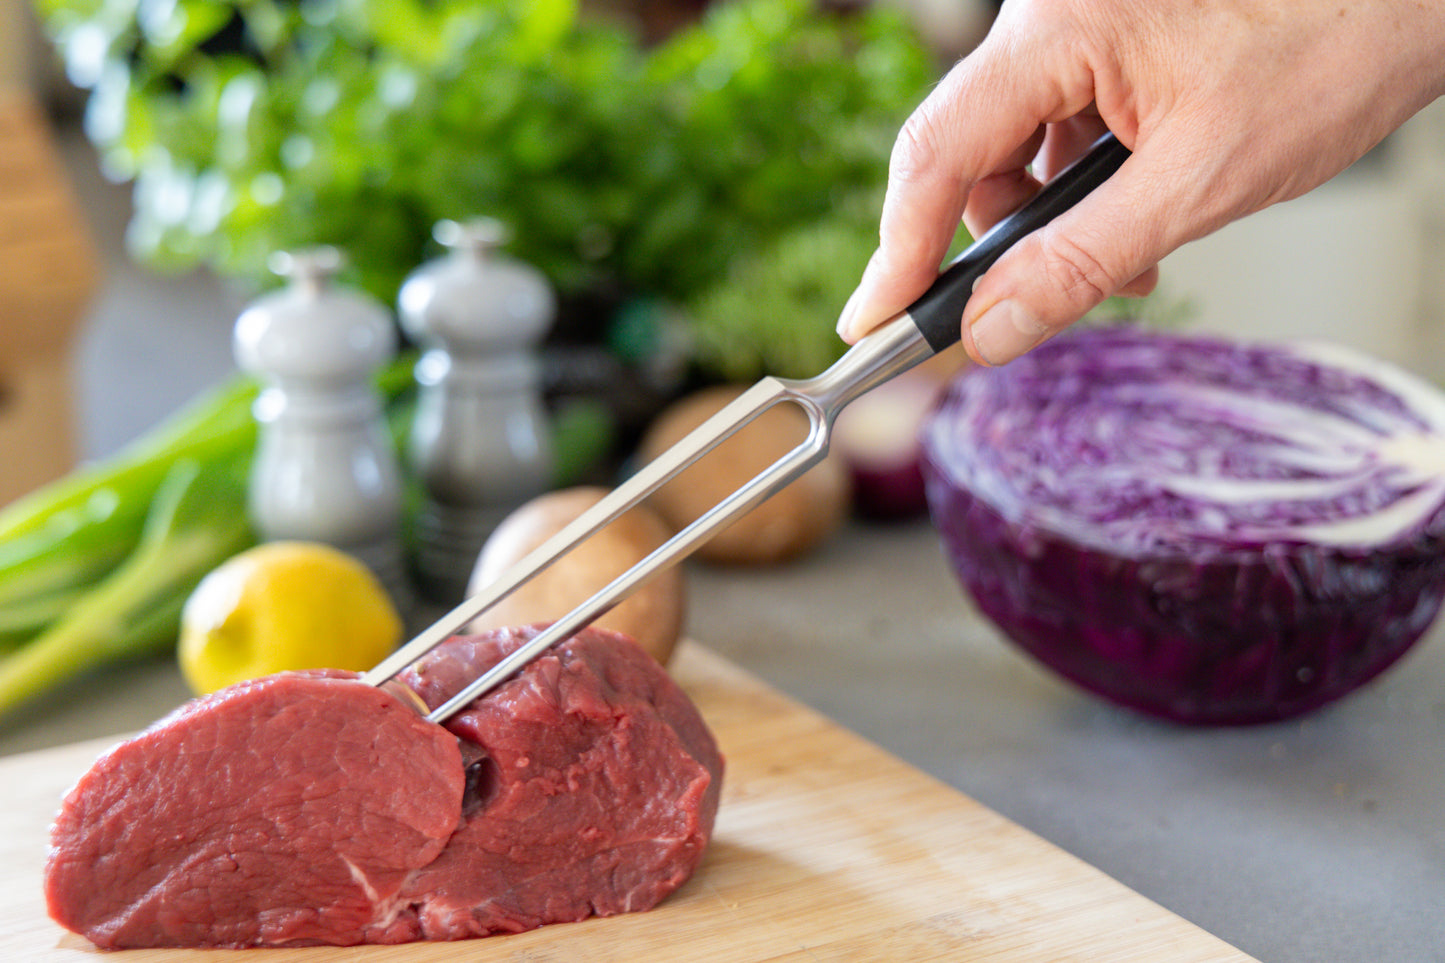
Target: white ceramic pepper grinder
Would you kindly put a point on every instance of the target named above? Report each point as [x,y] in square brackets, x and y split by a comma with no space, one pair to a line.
[326,468]
[481,443]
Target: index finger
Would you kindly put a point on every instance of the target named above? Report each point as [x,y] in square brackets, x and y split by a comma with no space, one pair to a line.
[982,117]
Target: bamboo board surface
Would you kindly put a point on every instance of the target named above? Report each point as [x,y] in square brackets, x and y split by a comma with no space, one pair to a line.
[827,848]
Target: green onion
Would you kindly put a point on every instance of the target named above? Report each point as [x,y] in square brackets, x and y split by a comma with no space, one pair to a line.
[95,567]
[196,521]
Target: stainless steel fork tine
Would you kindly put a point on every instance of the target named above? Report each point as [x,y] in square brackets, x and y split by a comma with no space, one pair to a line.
[874,359]
[616,503]
[930,324]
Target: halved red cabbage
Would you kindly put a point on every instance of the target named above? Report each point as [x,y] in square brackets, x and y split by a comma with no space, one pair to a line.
[1200,529]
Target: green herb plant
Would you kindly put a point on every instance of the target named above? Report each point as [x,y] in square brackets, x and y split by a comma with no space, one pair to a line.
[623,168]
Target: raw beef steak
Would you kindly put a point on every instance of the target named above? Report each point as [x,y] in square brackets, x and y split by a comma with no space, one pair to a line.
[291,809]
[596,788]
[310,808]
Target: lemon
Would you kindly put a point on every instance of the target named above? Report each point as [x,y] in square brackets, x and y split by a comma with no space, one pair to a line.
[284,605]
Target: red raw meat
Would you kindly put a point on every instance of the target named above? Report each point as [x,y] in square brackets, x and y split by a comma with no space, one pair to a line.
[309,808]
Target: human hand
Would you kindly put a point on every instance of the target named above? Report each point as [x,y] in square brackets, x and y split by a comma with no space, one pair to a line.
[1228,106]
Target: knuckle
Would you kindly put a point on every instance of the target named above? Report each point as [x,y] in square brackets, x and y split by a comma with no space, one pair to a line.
[1071,267]
[919,151]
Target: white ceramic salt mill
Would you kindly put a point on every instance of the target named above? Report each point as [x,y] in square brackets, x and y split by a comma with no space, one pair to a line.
[480,444]
[325,469]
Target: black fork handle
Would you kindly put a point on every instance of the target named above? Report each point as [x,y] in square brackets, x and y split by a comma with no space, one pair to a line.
[939,312]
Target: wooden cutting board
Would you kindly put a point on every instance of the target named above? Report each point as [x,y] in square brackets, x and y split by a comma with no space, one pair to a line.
[826,848]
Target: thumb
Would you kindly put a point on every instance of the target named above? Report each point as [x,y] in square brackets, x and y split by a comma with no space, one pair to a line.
[1054,276]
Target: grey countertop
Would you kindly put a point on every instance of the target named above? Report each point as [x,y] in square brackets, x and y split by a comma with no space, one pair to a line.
[1321,839]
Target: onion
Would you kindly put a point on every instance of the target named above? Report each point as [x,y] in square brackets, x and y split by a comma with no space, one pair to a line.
[877,437]
[1204,530]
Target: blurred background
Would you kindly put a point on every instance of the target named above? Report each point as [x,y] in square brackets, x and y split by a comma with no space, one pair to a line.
[703,192]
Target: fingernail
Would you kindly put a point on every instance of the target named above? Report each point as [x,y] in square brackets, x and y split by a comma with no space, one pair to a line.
[845,318]
[848,319]
[1005,331]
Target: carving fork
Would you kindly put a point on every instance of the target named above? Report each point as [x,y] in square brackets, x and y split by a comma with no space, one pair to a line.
[928,326]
